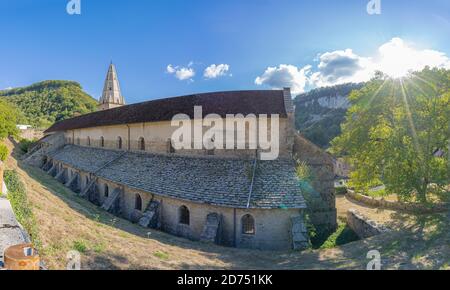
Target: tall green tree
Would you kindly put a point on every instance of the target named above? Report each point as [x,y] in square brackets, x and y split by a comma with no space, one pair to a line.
[397,133]
[9,116]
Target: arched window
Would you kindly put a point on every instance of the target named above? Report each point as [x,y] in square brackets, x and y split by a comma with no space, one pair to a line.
[184,215]
[119,143]
[102,142]
[88,141]
[138,202]
[106,190]
[142,144]
[248,225]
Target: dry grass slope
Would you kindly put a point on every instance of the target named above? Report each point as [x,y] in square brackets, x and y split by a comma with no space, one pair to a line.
[67,222]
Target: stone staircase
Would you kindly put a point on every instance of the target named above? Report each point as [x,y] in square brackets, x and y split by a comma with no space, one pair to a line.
[150,219]
[109,203]
[31,151]
[35,157]
[211,229]
[300,240]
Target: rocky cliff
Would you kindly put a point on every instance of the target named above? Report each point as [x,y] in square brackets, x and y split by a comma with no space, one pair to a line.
[320,112]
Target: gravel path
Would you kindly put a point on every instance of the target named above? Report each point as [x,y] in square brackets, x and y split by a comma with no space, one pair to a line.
[10,230]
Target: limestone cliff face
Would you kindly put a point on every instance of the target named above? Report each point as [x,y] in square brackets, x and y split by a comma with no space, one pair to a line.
[334,102]
[320,112]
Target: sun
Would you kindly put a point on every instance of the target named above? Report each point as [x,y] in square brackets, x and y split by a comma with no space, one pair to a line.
[398,59]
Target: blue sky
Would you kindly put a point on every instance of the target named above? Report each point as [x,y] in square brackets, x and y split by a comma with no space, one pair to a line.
[40,41]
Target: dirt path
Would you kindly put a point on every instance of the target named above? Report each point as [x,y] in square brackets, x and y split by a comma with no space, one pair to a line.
[67,222]
[10,231]
[390,218]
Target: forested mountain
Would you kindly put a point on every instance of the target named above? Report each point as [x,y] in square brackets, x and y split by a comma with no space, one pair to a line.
[320,112]
[47,102]
[9,117]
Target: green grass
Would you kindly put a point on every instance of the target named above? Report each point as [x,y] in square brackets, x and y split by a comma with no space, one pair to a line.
[161,255]
[343,235]
[80,246]
[377,193]
[99,248]
[341,190]
[22,209]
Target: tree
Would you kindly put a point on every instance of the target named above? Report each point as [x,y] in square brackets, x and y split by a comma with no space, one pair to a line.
[48,102]
[3,153]
[392,131]
[8,119]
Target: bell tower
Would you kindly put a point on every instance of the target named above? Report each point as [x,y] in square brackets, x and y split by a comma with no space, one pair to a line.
[111,96]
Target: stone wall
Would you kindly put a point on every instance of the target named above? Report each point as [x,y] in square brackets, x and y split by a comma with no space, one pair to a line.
[273,227]
[32,134]
[362,226]
[396,205]
[157,134]
[322,200]
[37,155]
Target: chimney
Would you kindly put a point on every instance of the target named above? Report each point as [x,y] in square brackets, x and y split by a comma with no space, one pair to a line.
[289,105]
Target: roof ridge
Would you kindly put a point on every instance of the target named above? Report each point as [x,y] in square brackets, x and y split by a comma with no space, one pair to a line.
[221,103]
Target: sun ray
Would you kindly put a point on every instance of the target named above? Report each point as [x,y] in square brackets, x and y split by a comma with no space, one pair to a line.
[369,102]
[417,87]
[376,93]
[427,82]
[410,121]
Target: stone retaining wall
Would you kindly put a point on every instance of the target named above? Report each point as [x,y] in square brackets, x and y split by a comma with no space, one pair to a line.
[401,206]
[362,226]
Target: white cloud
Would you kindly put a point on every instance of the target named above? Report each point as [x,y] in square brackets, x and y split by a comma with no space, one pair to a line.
[170,69]
[181,73]
[285,75]
[214,71]
[395,58]
[340,66]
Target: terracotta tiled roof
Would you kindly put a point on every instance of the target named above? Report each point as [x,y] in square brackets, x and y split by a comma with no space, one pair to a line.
[221,103]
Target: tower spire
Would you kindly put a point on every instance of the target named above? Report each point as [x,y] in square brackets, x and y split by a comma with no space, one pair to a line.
[111,96]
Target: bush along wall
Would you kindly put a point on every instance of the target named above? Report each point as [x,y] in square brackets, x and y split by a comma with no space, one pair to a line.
[19,201]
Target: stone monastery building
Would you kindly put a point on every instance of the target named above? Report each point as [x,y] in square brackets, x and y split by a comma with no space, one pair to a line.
[121,158]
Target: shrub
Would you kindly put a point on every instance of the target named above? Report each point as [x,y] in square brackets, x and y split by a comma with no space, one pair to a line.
[80,246]
[161,255]
[343,235]
[22,209]
[25,144]
[3,152]
[341,190]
